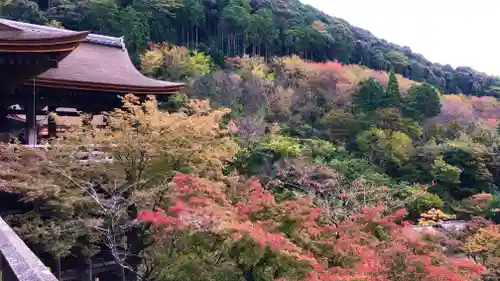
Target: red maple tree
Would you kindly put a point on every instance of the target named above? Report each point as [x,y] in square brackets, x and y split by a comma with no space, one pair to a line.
[368,246]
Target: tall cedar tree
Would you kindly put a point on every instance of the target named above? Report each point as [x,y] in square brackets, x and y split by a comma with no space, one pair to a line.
[393,95]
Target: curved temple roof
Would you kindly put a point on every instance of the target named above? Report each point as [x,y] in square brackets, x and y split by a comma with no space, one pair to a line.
[96,63]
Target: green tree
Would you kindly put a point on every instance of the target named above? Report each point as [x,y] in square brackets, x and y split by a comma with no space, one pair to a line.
[393,95]
[385,147]
[338,125]
[22,10]
[369,97]
[423,102]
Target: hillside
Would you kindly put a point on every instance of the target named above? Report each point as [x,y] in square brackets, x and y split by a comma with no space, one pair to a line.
[267,166]
[260,27]
[305,175]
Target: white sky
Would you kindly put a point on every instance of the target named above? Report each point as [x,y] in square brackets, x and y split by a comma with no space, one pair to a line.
[455,32]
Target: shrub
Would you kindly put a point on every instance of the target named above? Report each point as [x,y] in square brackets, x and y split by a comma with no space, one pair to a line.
[434,217]
[423,201]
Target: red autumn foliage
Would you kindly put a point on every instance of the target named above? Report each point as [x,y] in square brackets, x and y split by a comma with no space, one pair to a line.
[369,246]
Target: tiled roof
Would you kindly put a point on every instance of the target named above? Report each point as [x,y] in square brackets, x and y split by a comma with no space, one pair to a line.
[99,63]
[15,30]
[101,67]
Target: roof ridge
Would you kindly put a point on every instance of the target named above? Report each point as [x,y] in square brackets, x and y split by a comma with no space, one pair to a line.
[106,40]
[91,38]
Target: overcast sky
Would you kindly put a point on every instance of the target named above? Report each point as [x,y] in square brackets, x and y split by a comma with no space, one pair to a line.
[455,32]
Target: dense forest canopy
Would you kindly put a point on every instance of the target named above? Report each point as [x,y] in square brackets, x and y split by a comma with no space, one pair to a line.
[256,27]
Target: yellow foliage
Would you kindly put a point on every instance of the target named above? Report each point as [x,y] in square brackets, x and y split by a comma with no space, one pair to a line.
[484,247]
[151,61]
[434,217]
[484,240]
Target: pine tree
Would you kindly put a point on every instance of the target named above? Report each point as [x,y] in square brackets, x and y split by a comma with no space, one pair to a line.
[393,95]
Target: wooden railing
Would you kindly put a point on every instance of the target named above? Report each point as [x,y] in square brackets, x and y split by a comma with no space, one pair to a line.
[17,261]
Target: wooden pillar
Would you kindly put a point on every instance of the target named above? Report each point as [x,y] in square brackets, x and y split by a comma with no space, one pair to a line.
[4,127]
[52,125]
[31,133]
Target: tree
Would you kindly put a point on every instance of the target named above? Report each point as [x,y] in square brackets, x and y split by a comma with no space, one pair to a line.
[22,10]
[484,246]
[385,147]
[369,97]
[423,102]
[96,203]
[175,63]
[398,61]
[393,96]
[338,125]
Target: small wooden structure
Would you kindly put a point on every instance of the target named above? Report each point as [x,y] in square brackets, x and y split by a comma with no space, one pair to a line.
[47,67]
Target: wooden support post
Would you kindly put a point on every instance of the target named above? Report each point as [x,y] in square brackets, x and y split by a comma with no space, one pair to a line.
[31,133]
[52,125]
[4,128]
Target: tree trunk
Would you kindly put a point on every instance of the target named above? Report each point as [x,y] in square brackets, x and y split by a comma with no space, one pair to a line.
[135,247]
[425,131]
[83,271]
[196,37]
[58,268]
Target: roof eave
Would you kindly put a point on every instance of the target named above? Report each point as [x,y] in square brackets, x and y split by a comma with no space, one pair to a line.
[109,88]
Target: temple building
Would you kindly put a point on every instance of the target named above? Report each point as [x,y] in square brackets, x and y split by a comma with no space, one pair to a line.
[44,68]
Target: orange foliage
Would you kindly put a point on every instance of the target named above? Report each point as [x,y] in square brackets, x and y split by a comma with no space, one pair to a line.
[367,246]
[349,76]
[467,109]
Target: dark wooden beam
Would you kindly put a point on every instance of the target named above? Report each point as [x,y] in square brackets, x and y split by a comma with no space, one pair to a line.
[24,61]
[44,112]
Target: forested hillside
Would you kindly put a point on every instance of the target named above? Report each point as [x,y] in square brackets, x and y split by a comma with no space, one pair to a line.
[257,27]
[287,170]
[267,166]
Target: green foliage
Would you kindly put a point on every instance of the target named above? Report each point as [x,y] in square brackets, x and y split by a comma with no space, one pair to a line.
[391,119]
[493,209]
[22,10]
[175,63]
[281,146]
[344,138]
[422,201]
[353,168]
[384,146]
[369,97]
[262,155]
[237,27]
[398,60]
[198,64]
[423,102]
[393,95]
[338,125]
[472,160]
[319,150]
[445,173]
